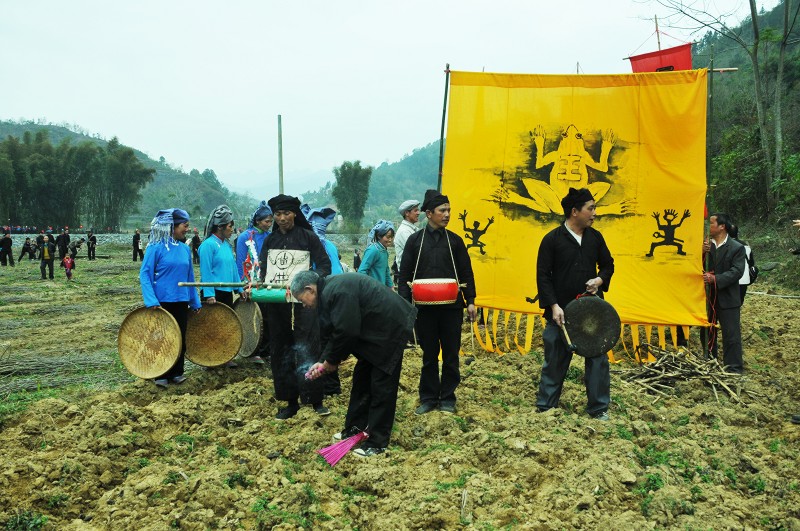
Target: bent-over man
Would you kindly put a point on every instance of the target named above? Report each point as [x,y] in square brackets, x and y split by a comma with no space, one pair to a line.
[358,315]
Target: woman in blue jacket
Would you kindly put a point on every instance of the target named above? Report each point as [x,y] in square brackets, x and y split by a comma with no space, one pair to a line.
[376,257]
[217,261]
[166,262]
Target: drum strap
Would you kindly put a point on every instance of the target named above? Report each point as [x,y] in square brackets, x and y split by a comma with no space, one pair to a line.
[449,247]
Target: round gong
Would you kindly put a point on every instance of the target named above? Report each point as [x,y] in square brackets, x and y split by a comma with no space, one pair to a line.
[593,325]
[149,342]
[252,325]
[213,335]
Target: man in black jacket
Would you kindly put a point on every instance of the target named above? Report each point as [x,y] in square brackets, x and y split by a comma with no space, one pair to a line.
[359,315]
[293,330]
[91,244]
[435,252]
[6,254]
[573,258]
[727,262]
[137,246]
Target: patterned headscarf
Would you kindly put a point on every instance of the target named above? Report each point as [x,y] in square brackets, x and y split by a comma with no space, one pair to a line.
[220,216]
[162,224]
[319,218]
[379,230]
[261,212]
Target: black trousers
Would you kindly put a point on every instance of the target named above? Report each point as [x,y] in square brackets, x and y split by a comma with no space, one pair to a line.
[6,256]
[195,256]
[180,311]
[373,399]
[225,297]
[90,251]
[554,370]
[293,352]
[47,264]
[732,353]
[31,255]
[137,253]
[439,328]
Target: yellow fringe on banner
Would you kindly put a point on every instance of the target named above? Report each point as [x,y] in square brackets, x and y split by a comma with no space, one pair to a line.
[496,317]
[505,327]
[476,331]
[662,338]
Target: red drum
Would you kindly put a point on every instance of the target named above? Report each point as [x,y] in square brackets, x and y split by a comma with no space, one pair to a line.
[434,291]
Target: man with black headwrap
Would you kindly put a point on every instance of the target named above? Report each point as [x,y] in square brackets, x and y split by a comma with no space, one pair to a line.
[294,331]
[435,252]
[573,259]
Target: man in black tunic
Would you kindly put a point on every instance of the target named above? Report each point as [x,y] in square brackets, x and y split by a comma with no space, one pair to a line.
[573,259]
[435,252]
[137,246]
[195,247]
[293,330]
[62,242]
[91,244]
[358,315]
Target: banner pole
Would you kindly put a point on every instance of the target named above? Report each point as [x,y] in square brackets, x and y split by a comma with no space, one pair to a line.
[441,135]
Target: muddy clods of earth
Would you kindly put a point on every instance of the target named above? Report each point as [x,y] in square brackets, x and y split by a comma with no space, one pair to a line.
[209,454]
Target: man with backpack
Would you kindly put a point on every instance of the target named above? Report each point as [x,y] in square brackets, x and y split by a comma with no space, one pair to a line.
[750,269]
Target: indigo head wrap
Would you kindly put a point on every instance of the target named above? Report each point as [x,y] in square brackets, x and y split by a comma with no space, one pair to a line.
[319,218]
[379,230]
[261,212]
[161,226]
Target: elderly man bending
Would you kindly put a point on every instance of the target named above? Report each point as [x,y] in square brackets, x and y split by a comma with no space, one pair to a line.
[358,315]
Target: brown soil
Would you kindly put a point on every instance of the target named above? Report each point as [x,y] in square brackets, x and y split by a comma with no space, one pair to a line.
[209,454]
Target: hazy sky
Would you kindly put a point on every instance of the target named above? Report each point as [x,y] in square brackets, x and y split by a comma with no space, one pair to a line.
[201,83]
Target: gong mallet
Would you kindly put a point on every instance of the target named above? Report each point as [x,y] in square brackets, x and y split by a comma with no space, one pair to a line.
[570,345]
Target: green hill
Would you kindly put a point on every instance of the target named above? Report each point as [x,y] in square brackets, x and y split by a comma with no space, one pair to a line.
[198,192]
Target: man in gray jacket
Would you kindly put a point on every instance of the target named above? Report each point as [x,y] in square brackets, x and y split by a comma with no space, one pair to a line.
[726,263]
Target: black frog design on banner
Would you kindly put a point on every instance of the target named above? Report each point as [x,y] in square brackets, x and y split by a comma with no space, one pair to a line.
[668,230]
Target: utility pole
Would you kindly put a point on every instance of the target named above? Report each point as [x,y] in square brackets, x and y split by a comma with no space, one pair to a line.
[280,156]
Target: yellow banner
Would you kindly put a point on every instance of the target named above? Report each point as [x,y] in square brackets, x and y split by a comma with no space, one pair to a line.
[517,143]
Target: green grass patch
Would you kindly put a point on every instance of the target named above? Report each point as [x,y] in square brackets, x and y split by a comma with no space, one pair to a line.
[444,486]
[26,520]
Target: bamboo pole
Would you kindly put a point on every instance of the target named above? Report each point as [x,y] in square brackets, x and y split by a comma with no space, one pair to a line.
[230,285]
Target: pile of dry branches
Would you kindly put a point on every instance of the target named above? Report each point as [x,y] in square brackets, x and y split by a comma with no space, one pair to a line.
[673,366]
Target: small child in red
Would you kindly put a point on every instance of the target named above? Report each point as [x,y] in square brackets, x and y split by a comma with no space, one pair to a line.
[68,263]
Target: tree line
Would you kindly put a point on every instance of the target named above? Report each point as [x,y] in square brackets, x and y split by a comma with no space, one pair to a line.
[68,185]
[754,125]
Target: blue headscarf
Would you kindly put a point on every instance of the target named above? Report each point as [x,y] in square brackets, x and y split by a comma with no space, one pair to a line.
[379,230]
[162,224]
[319,219]
[261,212]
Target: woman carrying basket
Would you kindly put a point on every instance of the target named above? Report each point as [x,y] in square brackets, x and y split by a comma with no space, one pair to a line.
[167,261]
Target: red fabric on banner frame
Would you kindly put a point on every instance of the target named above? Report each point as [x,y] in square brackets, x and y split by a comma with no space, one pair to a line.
[677,58]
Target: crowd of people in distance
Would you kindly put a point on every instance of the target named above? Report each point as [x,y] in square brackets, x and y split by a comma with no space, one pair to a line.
[46,248]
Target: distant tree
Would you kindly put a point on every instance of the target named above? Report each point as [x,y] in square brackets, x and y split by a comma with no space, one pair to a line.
[770,124]
[350,192]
